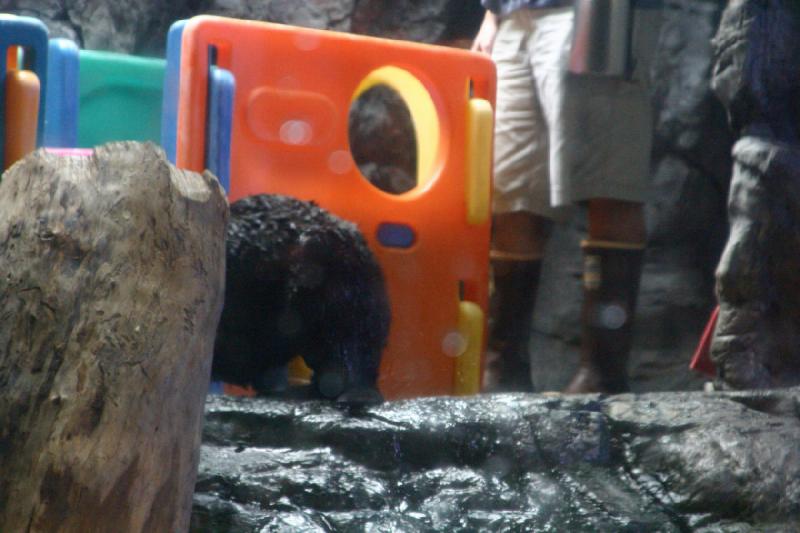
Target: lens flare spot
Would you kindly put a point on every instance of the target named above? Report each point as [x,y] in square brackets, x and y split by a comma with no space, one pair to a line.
[340,162]
[296,132]
[454,344]
[613,316]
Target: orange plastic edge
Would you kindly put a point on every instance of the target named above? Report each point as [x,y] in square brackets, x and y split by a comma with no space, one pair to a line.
[22,113]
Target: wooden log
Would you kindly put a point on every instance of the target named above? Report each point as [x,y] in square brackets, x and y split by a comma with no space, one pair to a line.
[111,287]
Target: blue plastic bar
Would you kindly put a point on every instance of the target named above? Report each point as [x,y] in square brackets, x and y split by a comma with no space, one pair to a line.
[61,119]
[172,80]
[221,88]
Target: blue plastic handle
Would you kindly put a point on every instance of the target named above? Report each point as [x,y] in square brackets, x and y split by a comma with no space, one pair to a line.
[221,88]
[61,118]
[219,117]
[172,83]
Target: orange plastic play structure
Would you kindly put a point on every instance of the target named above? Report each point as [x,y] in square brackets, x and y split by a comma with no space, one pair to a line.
[22,112]
[294,89]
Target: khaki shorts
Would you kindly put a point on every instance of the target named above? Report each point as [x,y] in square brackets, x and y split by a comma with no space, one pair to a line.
[559,138]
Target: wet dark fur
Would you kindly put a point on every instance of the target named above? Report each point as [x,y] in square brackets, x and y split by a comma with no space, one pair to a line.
[300,281]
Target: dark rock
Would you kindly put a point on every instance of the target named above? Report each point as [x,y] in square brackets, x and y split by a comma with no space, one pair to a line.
[320,14]
[430,21]
[658,462]
[119,26]
[141,27]
[757,340]
[300,281]
[690,121]
[757,77]
[757,69]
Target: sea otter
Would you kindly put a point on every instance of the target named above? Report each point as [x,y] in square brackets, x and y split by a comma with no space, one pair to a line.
[300,281]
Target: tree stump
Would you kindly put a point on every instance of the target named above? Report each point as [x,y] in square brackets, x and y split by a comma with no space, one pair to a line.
[111,287]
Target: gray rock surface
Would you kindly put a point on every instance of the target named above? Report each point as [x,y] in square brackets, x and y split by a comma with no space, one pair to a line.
[757,76]
[656,462]
[757,340]
[141,27]
[757,67]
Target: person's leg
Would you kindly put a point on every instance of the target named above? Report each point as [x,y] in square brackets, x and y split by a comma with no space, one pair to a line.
[603,146]
[518,240]
[612,269]
[520,205]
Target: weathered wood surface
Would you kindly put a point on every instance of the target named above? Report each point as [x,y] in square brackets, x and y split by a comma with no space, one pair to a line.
[111,285]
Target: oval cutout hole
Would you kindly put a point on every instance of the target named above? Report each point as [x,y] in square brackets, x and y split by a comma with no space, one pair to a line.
[382,139]
[393,235]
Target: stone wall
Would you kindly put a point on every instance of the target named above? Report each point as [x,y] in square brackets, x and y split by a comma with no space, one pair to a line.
[721,462]
[757,77]
[141,27]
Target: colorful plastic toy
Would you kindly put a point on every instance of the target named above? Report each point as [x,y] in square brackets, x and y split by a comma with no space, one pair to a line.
[22,111]
[61,120]
[71,152]
[294,88]
[120,98]
[169,109]
[701,360]
[22,90]
[221,91]
[222,88]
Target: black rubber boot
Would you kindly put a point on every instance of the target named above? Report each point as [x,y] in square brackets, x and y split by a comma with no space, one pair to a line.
[510,312]
[610,286]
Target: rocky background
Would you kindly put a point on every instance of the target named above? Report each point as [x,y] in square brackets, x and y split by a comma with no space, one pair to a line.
[757,77]
[688,461]
[677,462]
[691,157]
[141,27]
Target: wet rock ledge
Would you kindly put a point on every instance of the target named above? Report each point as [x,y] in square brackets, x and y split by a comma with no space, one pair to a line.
[721,462]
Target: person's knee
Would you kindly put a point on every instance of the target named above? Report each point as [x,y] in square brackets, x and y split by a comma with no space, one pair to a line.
[616,220]
[520,232]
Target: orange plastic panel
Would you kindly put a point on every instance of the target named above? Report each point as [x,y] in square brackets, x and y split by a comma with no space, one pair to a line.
[294,88]
[22,112]
[12,54]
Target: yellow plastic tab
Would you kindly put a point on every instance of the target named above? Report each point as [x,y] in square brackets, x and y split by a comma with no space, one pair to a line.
[468,364]
[479,160]
[299,373]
